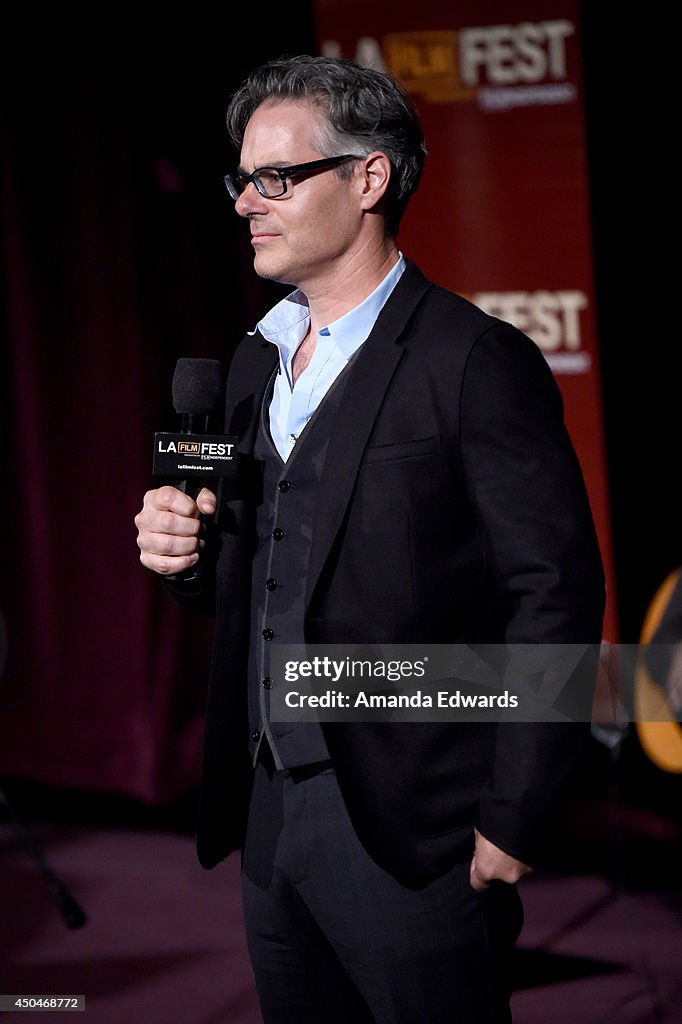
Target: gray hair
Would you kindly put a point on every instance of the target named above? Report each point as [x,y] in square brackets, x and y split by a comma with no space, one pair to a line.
[364,110]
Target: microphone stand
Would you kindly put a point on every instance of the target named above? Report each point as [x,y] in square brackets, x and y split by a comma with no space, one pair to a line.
[72,913]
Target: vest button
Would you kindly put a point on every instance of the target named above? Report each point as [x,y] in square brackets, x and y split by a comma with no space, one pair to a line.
[268,634]
[284,486]
[255,735]
[268,683]
[271,584]
[277,533]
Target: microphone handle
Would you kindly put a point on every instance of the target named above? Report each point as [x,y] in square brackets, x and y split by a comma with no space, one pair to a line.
[193,423]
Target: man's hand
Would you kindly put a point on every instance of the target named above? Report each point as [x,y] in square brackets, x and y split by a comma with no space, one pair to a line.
[489,862]
[169,529]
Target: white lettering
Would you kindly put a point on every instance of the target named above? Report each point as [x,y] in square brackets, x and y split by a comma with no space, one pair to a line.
[474,700]
[215,449]
[393,700]
[510,54]
[551,319]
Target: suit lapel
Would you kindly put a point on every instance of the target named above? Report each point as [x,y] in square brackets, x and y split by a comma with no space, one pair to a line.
[246,387]
[364,393]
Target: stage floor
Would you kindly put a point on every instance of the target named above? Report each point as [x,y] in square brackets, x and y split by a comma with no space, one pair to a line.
[163,943]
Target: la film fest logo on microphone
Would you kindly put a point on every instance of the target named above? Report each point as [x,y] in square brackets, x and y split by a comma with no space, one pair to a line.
[199,449]
[193,451]
[187,455]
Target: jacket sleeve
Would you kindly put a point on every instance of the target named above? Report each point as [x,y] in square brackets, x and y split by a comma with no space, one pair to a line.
[536,528]
[195,590]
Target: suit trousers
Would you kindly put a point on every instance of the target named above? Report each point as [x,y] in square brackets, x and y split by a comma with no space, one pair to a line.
[334,939]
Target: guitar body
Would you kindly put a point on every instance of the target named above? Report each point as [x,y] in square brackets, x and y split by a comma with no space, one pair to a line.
[658,730]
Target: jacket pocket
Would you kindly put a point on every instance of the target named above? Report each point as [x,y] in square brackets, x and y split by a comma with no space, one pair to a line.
[402,449]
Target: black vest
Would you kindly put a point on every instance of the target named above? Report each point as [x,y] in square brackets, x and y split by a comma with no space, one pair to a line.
[280,572]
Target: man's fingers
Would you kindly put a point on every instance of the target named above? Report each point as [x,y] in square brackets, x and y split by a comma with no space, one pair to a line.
[168,554]
[170,522]
[490,863]
[169,544]
[477,883]
[206,501]
[168,566]
[169,529]
[171,498]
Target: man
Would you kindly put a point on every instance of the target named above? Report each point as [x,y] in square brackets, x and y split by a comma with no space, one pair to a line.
[405,477]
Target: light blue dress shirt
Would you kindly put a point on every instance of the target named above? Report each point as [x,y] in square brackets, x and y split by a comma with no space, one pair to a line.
[286,325]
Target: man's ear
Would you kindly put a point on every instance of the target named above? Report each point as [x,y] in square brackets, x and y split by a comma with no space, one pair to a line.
[376,174]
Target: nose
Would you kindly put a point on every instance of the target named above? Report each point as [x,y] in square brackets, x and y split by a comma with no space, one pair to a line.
[250,201]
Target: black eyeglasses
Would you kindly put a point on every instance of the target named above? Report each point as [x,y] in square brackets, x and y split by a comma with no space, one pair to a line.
[271,182]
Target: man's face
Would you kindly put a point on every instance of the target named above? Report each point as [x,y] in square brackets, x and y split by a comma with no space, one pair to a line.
[307,236]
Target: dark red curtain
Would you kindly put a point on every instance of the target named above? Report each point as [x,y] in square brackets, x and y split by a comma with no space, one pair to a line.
[120,253]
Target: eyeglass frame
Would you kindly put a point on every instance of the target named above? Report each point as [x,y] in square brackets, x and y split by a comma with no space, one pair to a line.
[282,173]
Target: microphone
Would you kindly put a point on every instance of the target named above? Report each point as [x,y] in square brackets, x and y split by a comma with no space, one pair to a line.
[196,392]
[193,457]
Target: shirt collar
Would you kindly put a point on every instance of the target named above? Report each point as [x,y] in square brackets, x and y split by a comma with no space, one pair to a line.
[287,323]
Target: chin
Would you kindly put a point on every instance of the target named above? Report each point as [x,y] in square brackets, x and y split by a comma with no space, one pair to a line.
[270,270]
[264,266]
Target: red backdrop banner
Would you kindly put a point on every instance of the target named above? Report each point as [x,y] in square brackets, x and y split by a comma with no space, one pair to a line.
[502,215]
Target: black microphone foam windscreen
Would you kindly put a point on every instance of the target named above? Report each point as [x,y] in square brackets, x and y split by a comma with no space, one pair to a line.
[197,386]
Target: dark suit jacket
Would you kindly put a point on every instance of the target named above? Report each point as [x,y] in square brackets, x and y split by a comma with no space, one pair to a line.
[451,509]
